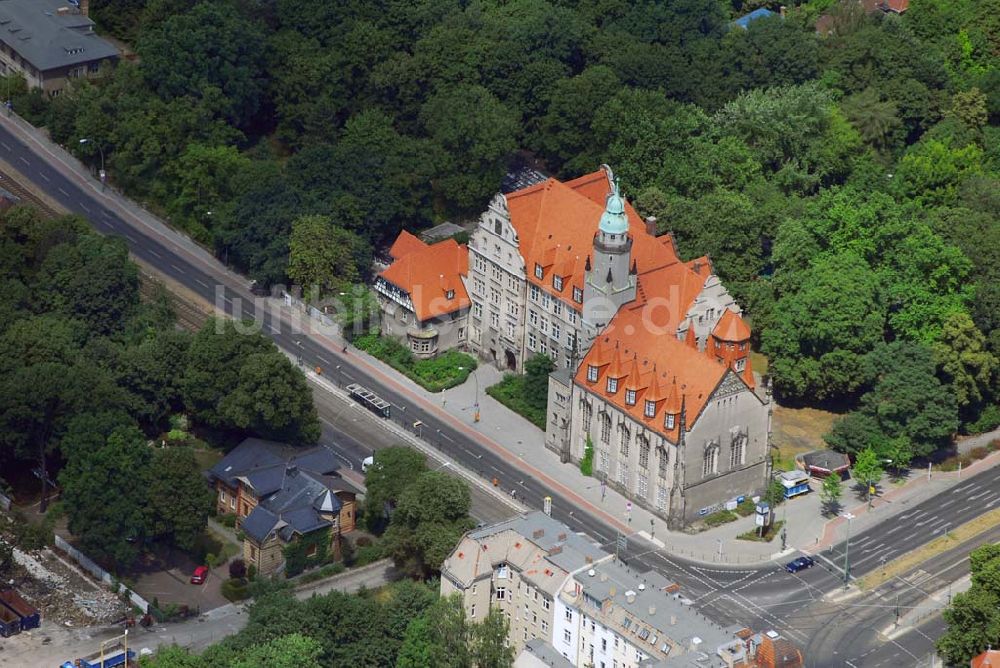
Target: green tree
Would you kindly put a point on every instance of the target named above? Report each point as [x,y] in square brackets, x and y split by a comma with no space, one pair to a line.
[964,362]
[973,616]
[476,132]
[179,502]
[430,517]
[105,494]
[536,380]
[867,469]
[213,45]
[439,637]
[202,180]
[291,651]
[566,127]
[774,495]
[490,646]
[876,119]
[854,432]
[321,255]
[152,373]
[394,470]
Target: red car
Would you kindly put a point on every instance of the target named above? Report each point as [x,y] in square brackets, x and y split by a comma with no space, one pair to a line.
[199,575]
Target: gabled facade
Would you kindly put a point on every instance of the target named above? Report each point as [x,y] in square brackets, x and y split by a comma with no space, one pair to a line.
[280,494]
[422,294]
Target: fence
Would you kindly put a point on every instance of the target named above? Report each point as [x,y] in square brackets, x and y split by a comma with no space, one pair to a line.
[88,565]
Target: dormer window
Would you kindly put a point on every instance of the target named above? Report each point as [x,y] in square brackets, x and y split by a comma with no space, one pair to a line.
[539,272]
[630,397]
[670,420]
[578,295]
[612,385]
[450,294]
[740,364]
[650,409]
[557,282]
[591,373]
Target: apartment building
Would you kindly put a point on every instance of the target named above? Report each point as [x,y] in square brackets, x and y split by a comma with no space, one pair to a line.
[51,43]
[567,598]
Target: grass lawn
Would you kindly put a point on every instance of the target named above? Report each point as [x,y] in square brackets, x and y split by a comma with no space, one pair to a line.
[797,431]
[447,370]
[207,457]
[510,392]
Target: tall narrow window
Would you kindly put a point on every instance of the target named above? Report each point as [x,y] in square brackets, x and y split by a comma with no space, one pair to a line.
[630,397]
[650,409]
[592,373]
[605,428]
[578,295]
[538,270]
[588,416]
[664,457]
[612,385]
[669,421]
[643,452]
[557,282]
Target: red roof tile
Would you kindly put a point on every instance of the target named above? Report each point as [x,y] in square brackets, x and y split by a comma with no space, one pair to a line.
[988,659]
[428,274]
[694,375]
[731,328]
[405,244]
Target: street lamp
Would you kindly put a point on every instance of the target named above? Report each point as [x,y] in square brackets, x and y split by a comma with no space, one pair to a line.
[103,174]
[847,550]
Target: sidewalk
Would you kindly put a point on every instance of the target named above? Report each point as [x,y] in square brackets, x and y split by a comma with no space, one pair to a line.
[807,529]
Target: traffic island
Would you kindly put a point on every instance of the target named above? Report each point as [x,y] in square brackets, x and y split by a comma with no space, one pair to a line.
[769,534]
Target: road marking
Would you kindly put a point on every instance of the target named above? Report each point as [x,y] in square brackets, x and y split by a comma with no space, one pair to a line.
[982,493]
[42,174]
[6,147]
[963,508]
[201,283]
[154,253]
[949,502]
[895,528]
[447,437]
[63,192]
[129,237]
[177,268]
[85,207]
[21,158]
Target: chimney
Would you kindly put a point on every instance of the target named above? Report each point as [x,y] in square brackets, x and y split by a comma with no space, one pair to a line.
[630,596]
[538,533]
[555,550]
[561,537]
[781,10]
[652,610]
[651,225]
[673,620]
[604,577]
[85,7]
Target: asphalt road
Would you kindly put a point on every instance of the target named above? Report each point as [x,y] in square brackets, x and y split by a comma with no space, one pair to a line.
[761,598]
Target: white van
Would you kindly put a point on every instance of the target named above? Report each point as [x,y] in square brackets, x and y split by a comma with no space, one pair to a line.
[366,462]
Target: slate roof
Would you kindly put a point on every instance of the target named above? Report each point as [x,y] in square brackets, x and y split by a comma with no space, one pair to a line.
[293,487]
[826,460]
[48,39]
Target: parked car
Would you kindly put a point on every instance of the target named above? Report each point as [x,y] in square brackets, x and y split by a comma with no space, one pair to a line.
[800,564]
[199,575]
[367,462]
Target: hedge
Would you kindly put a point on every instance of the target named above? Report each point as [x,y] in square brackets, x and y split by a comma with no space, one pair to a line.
[449,369]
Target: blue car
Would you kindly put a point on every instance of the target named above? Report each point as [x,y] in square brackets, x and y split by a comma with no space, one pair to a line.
[800,564]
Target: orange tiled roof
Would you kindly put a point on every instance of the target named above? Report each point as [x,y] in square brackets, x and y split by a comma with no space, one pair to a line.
[428,273]
[778,653]
[988,659]
[731,328]
[405,244]
[898,6]
[658,354]
[556,223]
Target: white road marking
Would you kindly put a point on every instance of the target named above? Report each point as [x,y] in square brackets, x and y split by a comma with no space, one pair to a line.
[63,192]
[6,147]
[177,268]
[323,359]
[129,237]
[85,207]
[155,254]
[976,496]
[42,174]
[201,283]
[948,502]
[21,158]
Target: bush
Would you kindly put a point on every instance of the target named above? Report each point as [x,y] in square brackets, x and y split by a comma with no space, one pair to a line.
[363,541]
[251,572]
[994,445]
[237,569]
[746,507]
[211,560]
[769,535]
[510,392]
[228,520]
[447,370]
[31,536]
[587,463]
[235,590]
[367,555]
[719,518]
[325,572]
[988,420]
[979,453]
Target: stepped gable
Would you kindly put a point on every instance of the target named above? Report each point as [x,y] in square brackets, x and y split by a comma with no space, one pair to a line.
[692,374]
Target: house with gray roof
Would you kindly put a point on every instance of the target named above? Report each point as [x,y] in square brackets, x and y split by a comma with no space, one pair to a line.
[281,494]
[51,43]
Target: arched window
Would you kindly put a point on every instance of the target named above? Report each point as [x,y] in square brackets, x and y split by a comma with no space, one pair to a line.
[588,415]
[605,428]
[497,227]
[643,452]
[625,436]
[737,448]
[664,456]
[710,463]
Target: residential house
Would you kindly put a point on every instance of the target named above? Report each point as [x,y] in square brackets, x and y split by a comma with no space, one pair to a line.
[988,659]
[570,603]
[422,294]
[280,494]
[51,43]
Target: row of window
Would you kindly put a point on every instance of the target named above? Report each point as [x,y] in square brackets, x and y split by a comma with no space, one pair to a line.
[558,283]
[649,408]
